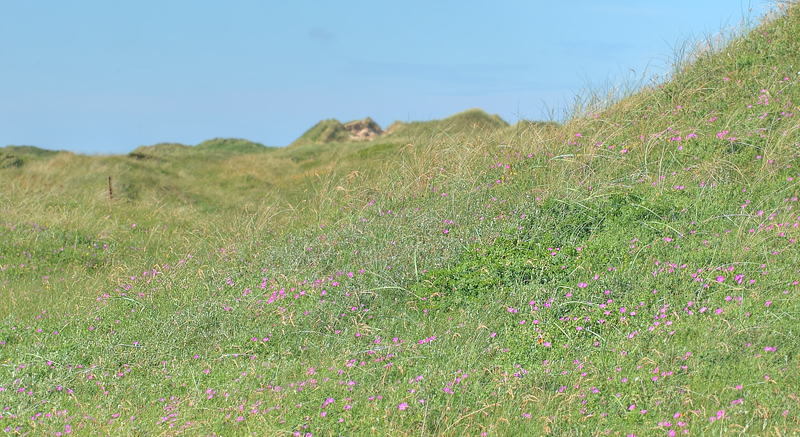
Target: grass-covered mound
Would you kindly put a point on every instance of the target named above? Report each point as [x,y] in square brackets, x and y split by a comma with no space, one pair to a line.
[231,146]
[161,150]
[631,271]
[216,146]
[27,151]
[16,156]
[474,121]
[326,131]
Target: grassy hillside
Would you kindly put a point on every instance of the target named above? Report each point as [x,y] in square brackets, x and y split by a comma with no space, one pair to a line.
[223,175]
[15,156]
[633,271]
[473,121]
[326,131]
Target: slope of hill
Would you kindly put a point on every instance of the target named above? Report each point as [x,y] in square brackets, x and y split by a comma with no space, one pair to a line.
[222,146]
[27,151]
[475,121]
[634,271]
[160,149]
[333,131]
[15,156]
[326,131]
[231,146]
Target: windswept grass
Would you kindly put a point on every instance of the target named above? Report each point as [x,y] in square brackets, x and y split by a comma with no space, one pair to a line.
[632,271]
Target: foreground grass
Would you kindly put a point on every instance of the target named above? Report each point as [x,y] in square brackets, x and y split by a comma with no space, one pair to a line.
[634,271]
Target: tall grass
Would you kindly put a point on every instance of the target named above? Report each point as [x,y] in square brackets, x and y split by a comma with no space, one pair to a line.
[631,271]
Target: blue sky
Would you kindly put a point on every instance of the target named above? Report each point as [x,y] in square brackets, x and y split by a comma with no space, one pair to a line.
[107,76]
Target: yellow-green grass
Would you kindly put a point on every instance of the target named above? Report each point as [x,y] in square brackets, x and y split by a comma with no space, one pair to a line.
[633,270]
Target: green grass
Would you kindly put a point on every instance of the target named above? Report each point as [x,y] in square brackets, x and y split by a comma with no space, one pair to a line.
[326,131]
[634,270]
[472,121]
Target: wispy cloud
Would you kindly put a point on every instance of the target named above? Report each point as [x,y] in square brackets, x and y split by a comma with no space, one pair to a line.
[320,34]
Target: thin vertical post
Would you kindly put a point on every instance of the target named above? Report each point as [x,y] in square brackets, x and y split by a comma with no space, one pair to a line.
[110,190]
